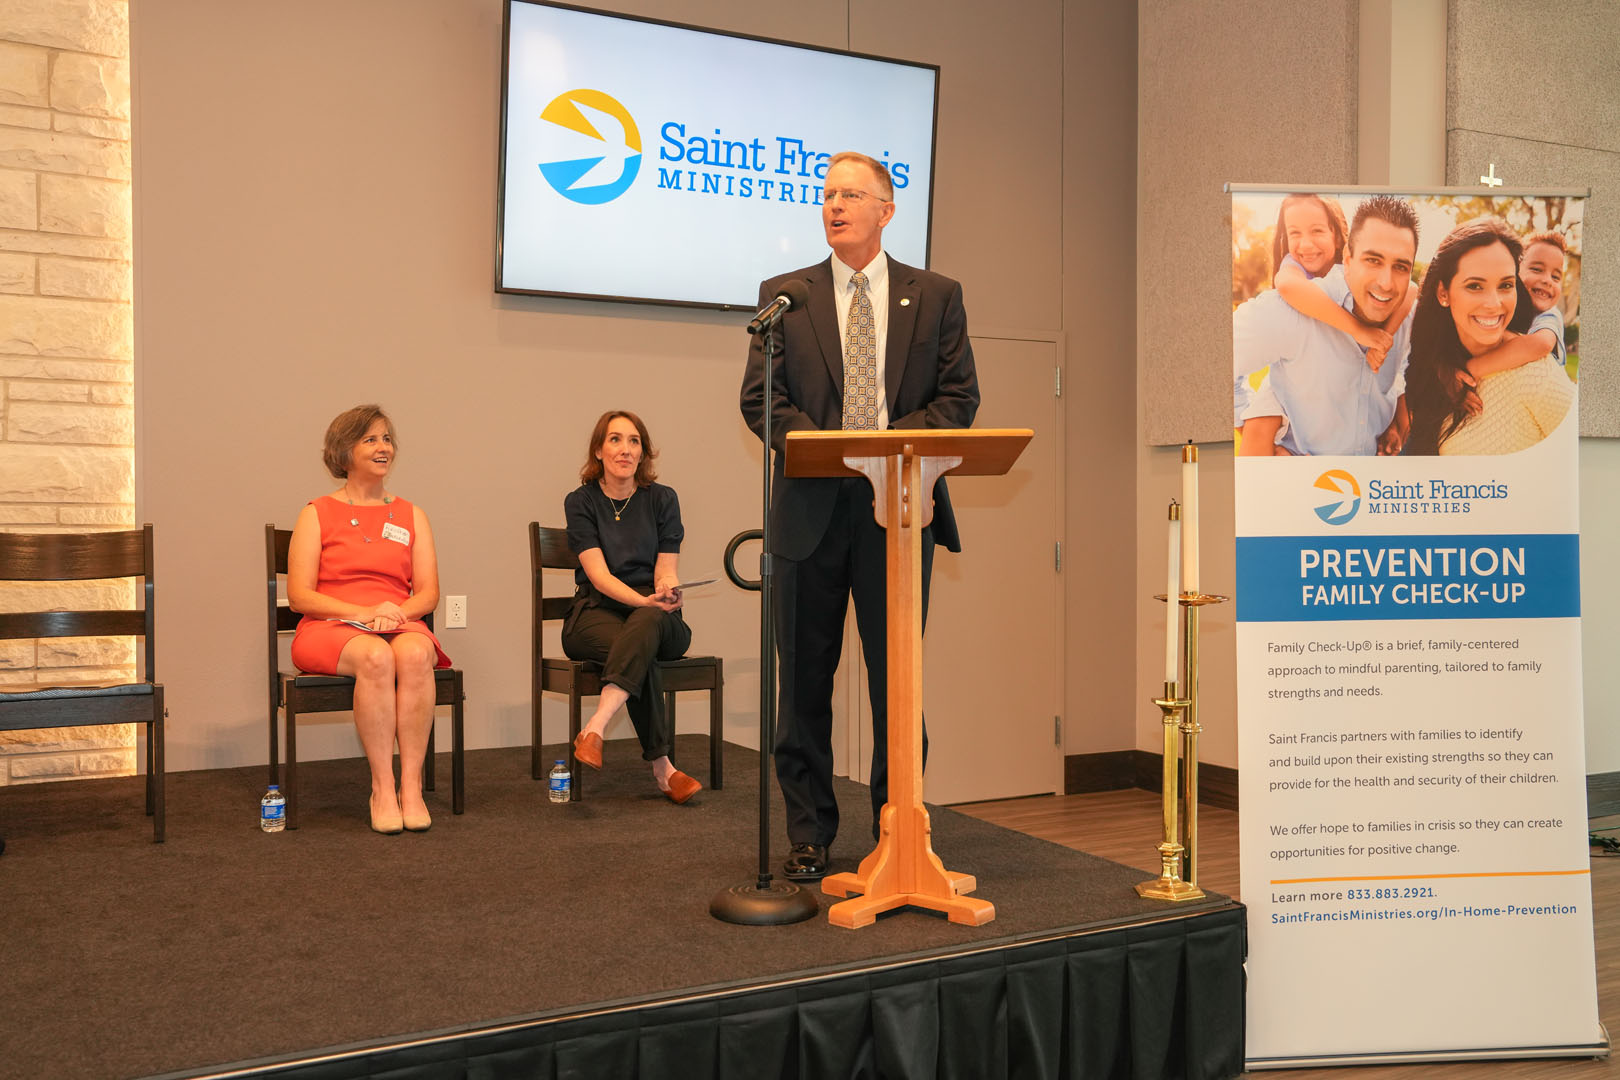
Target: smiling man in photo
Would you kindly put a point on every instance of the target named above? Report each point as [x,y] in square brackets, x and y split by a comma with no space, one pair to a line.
[1329,395]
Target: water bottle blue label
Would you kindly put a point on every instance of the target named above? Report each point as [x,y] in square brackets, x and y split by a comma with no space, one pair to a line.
[273,812]
[559,783]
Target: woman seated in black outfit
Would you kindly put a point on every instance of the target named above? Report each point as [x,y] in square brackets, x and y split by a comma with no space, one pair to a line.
[627,532]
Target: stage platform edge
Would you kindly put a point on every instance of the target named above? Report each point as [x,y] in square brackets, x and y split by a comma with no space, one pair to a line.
[1158,997]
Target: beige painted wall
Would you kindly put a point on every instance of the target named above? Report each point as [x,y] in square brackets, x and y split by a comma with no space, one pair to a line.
[315,191]
[1100,148]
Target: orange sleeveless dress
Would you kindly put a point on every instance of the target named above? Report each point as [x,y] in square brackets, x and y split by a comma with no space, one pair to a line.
[365,559]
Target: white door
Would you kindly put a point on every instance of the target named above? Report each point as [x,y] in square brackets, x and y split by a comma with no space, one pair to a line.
[992,675]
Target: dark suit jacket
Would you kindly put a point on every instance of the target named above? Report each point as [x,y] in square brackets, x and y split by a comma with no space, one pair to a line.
[928,376]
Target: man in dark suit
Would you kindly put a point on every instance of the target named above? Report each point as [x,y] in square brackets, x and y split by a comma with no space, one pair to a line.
[878,345]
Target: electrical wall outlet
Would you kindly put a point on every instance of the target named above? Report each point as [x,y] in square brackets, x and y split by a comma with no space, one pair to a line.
[455,613]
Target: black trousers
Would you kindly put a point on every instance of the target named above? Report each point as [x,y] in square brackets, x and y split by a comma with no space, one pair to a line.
[626,644]
[812,600]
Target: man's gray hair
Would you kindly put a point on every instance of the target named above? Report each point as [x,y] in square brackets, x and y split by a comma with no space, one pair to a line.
[881,171]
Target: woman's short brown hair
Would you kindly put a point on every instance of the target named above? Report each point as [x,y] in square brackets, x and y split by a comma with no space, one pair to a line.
[591,471]
[344,433]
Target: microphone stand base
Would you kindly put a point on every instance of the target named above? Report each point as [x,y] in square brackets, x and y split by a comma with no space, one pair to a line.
[777,904]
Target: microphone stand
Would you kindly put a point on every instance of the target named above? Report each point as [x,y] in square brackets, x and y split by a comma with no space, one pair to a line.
[764,902]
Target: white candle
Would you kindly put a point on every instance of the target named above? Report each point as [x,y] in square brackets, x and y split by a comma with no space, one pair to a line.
[1172,610]
[1189,519]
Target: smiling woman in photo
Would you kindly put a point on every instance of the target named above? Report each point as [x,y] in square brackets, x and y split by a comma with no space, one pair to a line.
[626,530]
[1471,303]
[362,571]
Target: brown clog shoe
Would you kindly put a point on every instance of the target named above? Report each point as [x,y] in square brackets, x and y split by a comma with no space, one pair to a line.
[588,749]
[681,787]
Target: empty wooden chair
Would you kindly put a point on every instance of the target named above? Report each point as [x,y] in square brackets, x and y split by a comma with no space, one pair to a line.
[86,557]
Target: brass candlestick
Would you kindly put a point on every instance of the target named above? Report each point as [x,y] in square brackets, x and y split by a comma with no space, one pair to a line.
[1178,879]
[1190,728]
[1189,737]
[1169,884]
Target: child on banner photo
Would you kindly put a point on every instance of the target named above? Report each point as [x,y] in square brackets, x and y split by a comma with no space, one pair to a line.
[1323,333]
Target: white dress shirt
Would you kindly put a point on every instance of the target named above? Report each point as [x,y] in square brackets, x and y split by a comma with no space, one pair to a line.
[877,290]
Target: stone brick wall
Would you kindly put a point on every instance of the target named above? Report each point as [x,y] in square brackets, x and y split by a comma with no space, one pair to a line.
[67,414]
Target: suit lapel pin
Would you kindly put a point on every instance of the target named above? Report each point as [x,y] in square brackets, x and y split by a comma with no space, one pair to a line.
[905,301]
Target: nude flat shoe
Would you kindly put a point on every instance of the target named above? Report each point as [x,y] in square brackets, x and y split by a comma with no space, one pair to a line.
[387,824]
[415,822]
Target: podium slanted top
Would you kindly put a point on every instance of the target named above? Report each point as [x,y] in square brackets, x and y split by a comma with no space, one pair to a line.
[984,451]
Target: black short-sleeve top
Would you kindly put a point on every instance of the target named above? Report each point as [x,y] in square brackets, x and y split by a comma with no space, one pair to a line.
[631,535]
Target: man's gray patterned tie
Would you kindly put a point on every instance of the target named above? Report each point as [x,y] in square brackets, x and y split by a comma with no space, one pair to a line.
[860,361]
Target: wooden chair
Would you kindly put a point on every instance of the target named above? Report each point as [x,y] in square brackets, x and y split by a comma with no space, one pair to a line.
[295,692]
[549,550]
[85,557]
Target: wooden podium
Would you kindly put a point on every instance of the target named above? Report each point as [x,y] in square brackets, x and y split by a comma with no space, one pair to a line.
[902,870]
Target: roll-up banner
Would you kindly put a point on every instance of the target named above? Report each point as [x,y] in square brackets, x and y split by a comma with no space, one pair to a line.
[1413,839]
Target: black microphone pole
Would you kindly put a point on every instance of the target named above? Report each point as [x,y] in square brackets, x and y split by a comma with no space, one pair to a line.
[765,902]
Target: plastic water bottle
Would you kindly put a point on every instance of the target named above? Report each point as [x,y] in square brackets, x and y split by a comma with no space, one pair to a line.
[562,781]
[273,810]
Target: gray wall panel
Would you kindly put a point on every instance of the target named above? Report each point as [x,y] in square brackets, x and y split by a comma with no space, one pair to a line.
[1536,90]
[1229,91]
[1541,71]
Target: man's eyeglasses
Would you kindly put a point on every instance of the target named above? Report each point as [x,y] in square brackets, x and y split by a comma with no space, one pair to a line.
[849,195]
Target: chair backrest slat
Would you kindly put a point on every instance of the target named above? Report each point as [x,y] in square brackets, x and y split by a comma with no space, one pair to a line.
[555,554]
[280,540]
[55,624]
[122,553]
[72,556]
[287,619]
[275,563]
[549,550]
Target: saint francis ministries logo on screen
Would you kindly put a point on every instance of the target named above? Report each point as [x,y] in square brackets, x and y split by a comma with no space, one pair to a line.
[604,135]
[596,149]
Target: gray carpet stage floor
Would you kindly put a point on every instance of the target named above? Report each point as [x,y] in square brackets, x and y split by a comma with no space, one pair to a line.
[120,957]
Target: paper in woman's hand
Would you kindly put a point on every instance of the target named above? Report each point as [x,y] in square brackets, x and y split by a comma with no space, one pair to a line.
[367,627]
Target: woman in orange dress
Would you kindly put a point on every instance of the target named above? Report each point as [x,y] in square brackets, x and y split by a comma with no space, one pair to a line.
[362,571]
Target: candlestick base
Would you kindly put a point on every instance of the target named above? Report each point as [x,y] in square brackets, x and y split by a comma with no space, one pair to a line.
[1168,885]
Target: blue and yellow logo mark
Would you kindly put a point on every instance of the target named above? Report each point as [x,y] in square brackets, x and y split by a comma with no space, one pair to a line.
[1344,507]
[579,179]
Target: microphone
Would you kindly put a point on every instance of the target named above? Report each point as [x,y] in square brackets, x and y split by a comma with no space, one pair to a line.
[793,295]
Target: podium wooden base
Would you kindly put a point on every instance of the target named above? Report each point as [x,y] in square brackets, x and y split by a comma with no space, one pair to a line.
[904,873]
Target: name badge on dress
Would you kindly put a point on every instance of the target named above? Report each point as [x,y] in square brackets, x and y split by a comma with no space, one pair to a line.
[396,533]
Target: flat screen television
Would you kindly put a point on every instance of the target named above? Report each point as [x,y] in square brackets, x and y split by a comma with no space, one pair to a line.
[649,161]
